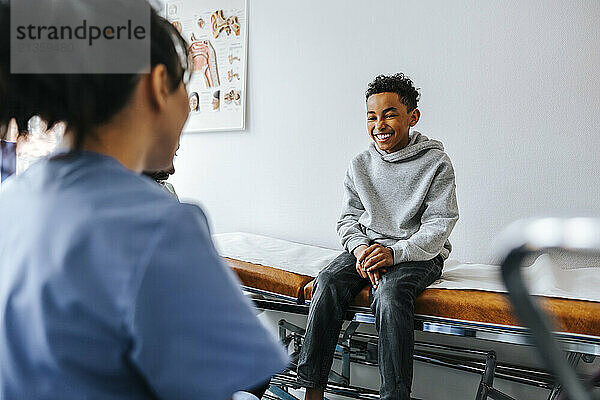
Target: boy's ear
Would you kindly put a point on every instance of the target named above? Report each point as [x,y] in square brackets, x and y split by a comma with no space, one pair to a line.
[415,115]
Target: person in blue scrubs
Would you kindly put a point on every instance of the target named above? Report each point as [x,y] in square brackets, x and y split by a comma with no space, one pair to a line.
[109,287]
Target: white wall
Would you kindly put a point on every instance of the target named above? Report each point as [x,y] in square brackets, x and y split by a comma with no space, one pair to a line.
[512,88]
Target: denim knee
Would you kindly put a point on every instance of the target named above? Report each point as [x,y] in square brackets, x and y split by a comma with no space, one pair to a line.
[325,282]
[392,300]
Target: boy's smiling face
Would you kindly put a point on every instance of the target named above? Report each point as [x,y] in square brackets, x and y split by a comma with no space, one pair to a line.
[388,121]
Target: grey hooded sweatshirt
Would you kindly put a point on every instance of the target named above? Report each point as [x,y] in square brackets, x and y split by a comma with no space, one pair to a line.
[404,200]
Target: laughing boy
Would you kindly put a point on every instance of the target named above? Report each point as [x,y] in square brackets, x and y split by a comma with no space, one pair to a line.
[399,209]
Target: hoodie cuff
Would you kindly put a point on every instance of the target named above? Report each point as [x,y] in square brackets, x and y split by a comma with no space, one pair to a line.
[400,251]
[352,244]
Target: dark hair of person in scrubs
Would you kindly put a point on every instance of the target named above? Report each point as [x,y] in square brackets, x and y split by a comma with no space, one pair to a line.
[83,101]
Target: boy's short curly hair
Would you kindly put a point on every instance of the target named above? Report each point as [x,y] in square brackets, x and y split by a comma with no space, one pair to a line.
[397,83]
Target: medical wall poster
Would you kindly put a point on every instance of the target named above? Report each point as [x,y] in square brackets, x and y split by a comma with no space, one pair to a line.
[217,36]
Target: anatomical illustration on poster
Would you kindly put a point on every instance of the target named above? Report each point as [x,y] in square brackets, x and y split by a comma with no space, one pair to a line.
[216,32]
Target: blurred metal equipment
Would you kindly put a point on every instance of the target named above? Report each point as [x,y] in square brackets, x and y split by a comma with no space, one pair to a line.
[527,238]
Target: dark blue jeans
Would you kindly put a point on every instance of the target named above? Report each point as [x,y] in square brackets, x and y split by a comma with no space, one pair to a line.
[393,305]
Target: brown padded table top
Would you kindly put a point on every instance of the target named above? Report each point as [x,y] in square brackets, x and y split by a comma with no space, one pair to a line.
[270,279]
[573,316]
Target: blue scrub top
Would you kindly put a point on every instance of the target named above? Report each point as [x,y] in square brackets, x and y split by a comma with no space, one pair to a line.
[110,288]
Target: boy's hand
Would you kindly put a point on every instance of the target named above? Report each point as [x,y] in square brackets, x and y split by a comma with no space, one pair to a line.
[374,277]
[375,257]
[358,251]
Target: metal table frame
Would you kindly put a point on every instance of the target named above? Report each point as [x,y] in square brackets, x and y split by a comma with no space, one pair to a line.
[480,362]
